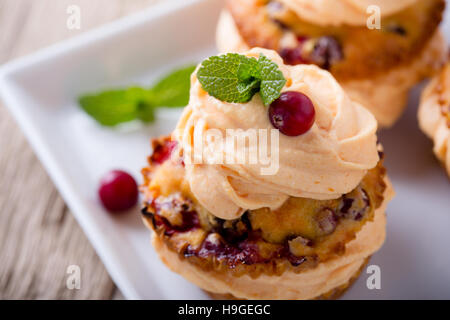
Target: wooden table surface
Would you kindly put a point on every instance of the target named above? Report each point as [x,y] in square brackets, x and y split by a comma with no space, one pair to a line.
[39,237]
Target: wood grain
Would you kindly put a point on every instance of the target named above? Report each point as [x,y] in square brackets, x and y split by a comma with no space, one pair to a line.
[39,238]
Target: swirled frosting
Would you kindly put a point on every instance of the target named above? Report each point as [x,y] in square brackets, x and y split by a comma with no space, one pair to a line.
[324,163]
[339,12]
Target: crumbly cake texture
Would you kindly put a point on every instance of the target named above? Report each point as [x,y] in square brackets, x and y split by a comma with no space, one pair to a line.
[434,115]
[298,237]
[310,284]
[355,52]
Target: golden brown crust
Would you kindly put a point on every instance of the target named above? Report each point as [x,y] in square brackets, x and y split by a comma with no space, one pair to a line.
[434,115]
[336,293]
[366,53]
[254,24]
[246,245]
[441,89]
[333,294]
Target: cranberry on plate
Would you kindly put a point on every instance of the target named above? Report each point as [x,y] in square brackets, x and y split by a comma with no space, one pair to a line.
[118,191]
[292,113]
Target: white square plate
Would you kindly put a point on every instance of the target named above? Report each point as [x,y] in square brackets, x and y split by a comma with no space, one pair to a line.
[41,91]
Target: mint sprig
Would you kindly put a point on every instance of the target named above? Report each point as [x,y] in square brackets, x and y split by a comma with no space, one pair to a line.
[272,80]
[113,107]
[236,78]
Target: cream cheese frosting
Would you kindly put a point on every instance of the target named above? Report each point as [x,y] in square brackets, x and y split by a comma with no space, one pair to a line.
[324,163]
[385,95]
[432,121]
[343,12]
[290,285]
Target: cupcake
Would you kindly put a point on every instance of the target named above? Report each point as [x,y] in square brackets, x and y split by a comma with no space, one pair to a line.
[302,231]
[434,115]
[376,67]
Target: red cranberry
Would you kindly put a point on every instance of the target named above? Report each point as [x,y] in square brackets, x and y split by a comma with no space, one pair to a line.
[397,29]
[294,260]
[190,222]
[244,252]
[162,152]
[294,56]
[118,191]
[355,208]
[327,51]
[292,113]
[326,221]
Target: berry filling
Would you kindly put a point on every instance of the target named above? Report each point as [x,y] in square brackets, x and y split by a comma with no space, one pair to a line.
[163,151]
[295,55]
[250,240]
[189,218]
[323,52]
[243,252]
[327,221]
[300,234]
[354,208]
[326,51]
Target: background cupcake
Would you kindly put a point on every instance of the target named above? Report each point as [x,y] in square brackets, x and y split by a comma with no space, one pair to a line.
[376,67]
[434,115]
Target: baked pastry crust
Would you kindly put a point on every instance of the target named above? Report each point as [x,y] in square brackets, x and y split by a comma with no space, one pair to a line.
[365,53]
[434,115]
[333,294]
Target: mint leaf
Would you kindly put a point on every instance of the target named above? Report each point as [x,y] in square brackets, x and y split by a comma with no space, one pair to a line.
[173,90]
[272,80]
[145,112]
[112,107]
[231,77]
[236,78]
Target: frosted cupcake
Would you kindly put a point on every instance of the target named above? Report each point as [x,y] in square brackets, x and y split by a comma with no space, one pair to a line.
[434,115]
[377,67]
[304,231]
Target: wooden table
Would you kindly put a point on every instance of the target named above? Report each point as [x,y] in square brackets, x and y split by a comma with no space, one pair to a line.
[39,237]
